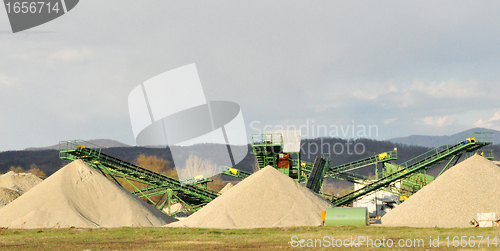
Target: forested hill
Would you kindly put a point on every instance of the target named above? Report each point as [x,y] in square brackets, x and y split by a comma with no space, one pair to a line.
[342,151]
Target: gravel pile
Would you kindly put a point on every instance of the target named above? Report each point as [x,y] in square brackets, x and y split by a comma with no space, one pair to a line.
[21,182]
[79,196]
[453,199]
[13,185]
[267,198]
[7,195]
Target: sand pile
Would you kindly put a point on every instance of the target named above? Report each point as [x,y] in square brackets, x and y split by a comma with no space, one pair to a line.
[7,195]
[454,198]
[21,182]
[13,185]
[267,198]
[79,196]
[226,188]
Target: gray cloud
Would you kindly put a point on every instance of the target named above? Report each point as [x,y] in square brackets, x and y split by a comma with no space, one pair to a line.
[283,62]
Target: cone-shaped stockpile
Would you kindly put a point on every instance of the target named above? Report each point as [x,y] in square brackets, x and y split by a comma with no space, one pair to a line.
[21,182]
[79,196]
[267,198]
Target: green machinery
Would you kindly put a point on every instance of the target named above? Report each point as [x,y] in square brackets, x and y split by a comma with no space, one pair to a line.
[281,150]
[450,152]
[154,185]
[317,173]
[266,148]
[342,172]
[351,177]
[234,172]
[412,183]
[162,191]
[408,185]
[405,188]
[271,149]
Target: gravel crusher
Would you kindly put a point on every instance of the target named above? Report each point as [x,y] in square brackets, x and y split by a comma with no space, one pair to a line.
[281,149]
[160,190]
[411,171]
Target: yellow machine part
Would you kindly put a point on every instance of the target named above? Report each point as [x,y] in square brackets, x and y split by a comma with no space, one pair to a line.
[382,156]
[303,164]
[233,171]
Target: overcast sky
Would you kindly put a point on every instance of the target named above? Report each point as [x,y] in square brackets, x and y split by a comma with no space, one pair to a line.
[406,67]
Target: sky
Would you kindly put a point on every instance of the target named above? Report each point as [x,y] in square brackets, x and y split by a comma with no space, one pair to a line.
[397,67]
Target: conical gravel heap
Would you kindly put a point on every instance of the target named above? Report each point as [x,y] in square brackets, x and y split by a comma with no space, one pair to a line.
[79,196]
[267,198]
[453,199]
[21,182]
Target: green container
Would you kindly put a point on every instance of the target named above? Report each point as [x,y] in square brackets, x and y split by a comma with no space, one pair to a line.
[347,216]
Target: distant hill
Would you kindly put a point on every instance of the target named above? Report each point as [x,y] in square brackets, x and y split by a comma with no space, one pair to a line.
[435,141]
[47,159]
[103,143]
[342,151]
